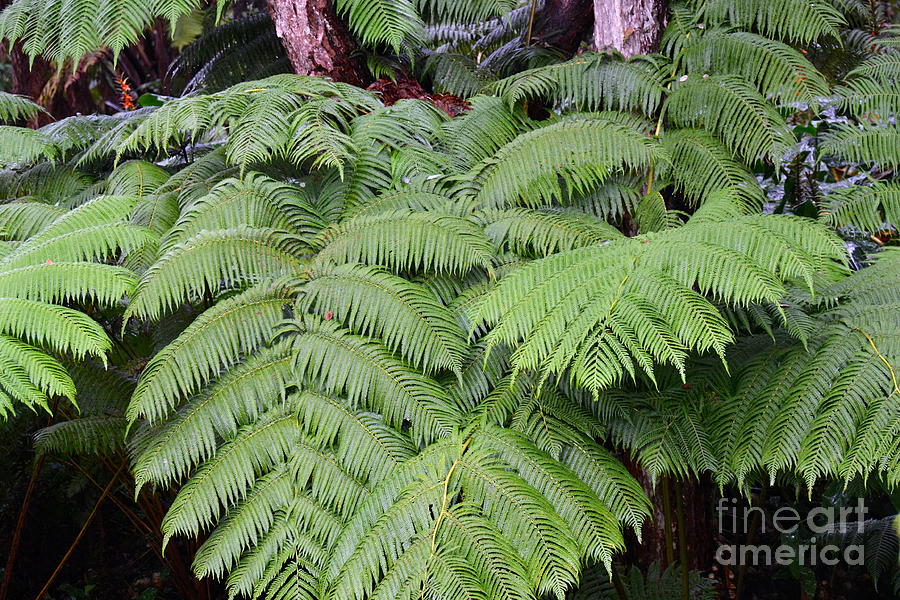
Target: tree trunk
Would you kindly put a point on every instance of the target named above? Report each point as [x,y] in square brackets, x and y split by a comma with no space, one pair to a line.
[564,24]
[316,40]
[629,26]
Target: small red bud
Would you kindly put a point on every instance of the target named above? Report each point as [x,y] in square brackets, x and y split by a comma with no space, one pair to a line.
[49,262]
[329,315]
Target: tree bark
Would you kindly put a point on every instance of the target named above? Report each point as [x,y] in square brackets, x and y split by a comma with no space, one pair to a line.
[629,26]
[564,24]
[316,40]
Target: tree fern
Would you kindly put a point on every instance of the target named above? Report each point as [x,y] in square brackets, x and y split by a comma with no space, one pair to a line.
[568,315]
[774,67]
[731,108]
[584,151]
[800,21]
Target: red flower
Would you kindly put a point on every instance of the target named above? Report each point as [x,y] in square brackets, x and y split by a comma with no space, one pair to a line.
[329,315]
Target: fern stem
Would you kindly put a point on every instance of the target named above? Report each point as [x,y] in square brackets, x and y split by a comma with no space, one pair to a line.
[20,526]
[682,541]
[662,112]
[80,535]
[531,23]
[886,362]
[132,516]
[667,520]
[446,500]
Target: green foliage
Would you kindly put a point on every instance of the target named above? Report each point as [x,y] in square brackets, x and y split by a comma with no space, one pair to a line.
[382,353]
[49,268]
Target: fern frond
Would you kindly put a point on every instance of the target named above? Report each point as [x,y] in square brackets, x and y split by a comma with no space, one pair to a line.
[568,313]
[253,201]
[732,109]
[23,146]
[377,380]
[796,21]
[135,178]
[43,371]
[62,329]
[775,68]
[20,220]
[16,108]
[701,166]
[448,11]
[166,452]
[218,338]
[545,231]
[480,132]
[868,144]
[590,82]
[84,435]
[58,283]
[870,208]
[209,260]
[392,23]
[581,152]
[404,315]
[228,476]
[66,31]
[404,240]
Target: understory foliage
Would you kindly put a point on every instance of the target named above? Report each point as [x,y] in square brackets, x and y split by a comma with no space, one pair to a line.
[383,353]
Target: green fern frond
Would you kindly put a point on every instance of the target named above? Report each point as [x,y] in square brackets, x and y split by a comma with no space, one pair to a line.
[43,371]
[732,109]
[66,31]
[448,11]
[253,201]
[230,473]
[59,283]
[209,260]
[700,166]
[567,313]
[164,453]
[795,21]
[135,178]
[865,97]
[392,23]
[580,152]
[20,220]
[377,381]
[775,68]
[404,240]
[217,339]
[16,108]
[62,329]
[481,131]
[404,315]
[869,144]
[545,231]
[85,435]
[592,81]
[23,146]
[870,208]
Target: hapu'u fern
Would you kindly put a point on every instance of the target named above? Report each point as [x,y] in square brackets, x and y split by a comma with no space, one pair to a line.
[390,352]
[828,408]
[359,436]
[602,312]
[44,272]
